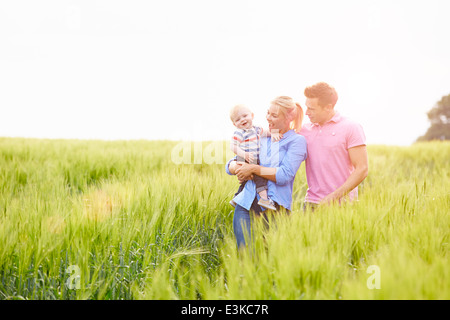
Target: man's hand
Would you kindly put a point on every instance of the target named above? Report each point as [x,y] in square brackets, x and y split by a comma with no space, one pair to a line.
[329,199]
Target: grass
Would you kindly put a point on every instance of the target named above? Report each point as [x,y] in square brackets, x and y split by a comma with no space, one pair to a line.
[121,220]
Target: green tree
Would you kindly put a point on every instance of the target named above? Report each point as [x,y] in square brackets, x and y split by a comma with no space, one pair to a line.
[439,117]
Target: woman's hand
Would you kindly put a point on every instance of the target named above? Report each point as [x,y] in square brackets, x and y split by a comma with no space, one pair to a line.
[234,167]
[244,171]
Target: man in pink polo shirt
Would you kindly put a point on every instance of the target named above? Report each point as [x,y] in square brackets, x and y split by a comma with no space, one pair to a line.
[337,157]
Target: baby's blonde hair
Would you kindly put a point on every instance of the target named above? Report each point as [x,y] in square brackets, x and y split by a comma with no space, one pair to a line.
[291,110]
[235,109]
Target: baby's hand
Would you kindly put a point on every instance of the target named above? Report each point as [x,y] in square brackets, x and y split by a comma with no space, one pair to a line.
[249,158]
[276,136]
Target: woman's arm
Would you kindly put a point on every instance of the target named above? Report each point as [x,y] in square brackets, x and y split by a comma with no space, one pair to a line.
[233,166]
[286,170]
[246,170]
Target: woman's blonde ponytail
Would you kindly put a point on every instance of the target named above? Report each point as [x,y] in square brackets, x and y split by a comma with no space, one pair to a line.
[292,110]
[296,124]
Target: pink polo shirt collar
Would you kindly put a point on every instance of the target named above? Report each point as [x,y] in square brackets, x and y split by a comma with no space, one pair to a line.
[336,118]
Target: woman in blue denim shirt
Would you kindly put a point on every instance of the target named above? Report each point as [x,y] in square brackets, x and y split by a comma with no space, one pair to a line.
[279,162]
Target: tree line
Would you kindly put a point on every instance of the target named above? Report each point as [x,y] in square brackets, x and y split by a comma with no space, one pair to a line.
[439,117]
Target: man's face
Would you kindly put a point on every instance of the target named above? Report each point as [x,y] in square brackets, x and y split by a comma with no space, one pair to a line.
[317,113]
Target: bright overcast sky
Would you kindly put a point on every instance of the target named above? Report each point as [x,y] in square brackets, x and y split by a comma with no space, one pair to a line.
[172,69]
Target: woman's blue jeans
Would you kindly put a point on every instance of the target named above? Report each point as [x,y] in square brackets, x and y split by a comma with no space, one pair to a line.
[242,222]
[241,226]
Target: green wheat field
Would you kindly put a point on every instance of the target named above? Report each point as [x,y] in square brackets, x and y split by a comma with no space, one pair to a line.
[121,220]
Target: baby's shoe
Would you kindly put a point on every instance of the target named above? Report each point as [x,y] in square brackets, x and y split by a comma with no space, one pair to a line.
[267,203]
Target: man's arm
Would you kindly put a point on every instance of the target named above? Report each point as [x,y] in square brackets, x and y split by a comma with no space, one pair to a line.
[359,159]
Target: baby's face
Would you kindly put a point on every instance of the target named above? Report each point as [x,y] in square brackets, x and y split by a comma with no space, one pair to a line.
[243,119]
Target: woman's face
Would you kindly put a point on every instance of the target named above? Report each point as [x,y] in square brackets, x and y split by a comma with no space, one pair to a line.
[276,119]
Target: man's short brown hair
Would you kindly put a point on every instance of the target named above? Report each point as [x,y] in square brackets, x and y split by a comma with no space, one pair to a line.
[325,93]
